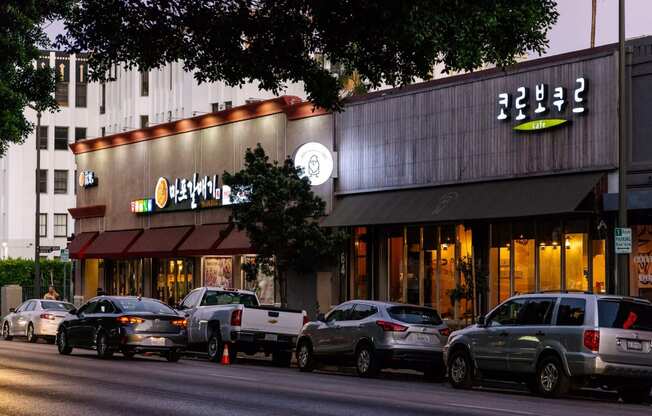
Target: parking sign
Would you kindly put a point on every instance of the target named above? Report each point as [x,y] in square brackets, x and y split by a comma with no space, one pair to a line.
[623,240]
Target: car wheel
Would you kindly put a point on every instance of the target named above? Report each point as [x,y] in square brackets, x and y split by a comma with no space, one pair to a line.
[128,354]
[282,358]
[305,358]
[173,356]
[635,394]
[31,336]
[215,348]
[102,346]
[460,370]
[552,380]
[366,364]
[5,332]
[62,343]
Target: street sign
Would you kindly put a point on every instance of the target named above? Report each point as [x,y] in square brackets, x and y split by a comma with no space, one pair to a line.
[48,249]
[623,240]
[65,255]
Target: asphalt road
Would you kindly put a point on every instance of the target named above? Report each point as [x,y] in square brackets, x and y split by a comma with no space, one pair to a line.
[36,380]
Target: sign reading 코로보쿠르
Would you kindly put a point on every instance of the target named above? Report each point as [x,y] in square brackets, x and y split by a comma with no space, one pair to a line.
[316,161]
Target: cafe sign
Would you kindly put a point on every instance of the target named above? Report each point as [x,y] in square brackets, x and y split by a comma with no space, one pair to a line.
[549,109]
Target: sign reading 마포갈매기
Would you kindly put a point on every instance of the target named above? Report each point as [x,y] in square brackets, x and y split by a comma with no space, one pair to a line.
[549,105]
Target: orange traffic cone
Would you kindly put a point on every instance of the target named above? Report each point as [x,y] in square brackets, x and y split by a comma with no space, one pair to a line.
[226,360]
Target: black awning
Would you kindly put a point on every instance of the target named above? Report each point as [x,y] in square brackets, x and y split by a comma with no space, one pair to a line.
[487,200]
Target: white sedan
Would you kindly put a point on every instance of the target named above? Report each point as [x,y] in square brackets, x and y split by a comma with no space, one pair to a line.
[34,319]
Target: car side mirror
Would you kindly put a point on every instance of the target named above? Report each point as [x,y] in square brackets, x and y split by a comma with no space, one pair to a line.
[12,310]
[321,317]
[482,321]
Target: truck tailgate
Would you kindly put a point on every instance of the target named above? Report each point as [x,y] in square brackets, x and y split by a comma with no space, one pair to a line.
[272,320]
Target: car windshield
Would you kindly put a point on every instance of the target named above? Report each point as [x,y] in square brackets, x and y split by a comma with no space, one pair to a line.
[624,314]
[215,297]
[414,315]
[56,306]
[130,305]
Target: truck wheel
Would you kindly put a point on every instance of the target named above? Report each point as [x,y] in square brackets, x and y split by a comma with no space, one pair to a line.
[552,380]
[460,370]
[635,394]
[215,348]
[305,358]
[282,358]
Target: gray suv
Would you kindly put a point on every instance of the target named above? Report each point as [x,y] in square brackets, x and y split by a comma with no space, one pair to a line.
[557,341]
[375,335]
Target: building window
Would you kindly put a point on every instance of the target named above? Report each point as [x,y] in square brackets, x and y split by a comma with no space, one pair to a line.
[43,181]
[60,225]
[43,225]
[61,93]
[103,99]
[103,131]
[80,133]
[144,121]
[60,181]
[228,105]
[144,84]
[43,138]
[215,107]
[61,138]
[80,95]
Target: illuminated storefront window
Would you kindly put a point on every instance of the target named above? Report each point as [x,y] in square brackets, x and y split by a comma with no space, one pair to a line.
[174,279]
[361,283]
[395,243]
[125,277]
[576,245]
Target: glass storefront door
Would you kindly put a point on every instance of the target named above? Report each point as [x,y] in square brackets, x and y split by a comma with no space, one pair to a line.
[124,277]
[174,279]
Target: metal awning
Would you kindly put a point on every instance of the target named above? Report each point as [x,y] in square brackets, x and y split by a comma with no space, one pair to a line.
[236,242]
[111,244]
[158,242]
[487,200]
[80,243]
[203,240]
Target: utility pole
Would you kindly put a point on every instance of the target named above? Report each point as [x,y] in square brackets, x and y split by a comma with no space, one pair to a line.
[622,280]
[37,228]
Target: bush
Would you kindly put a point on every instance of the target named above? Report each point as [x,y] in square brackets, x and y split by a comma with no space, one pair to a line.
[21,272]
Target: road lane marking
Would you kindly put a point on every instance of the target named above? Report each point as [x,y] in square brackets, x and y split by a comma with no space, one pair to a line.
[493,409]
[231,377]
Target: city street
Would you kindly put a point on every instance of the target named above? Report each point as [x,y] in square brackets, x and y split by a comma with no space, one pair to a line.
[36,380]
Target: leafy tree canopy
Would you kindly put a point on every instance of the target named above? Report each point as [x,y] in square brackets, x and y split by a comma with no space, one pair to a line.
[22,84]
[277,41]
[280,214]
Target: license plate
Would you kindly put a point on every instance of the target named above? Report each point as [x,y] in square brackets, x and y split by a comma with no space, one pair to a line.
[424,338]
[156,341]
[635,345]
[271,337]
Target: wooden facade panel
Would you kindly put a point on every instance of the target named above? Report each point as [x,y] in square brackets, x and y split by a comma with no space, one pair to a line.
[450,134]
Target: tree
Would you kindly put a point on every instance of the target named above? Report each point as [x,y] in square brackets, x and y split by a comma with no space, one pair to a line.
[22,83]
[280,214]
[277,41]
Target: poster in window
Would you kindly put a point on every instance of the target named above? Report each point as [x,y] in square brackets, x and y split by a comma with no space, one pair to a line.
[641,263]
[263,285]
[218,271]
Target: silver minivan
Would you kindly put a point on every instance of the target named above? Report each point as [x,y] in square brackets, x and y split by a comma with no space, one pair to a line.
[556,341]
[374,335]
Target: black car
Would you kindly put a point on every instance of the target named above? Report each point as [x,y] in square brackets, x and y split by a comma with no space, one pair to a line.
[125,324]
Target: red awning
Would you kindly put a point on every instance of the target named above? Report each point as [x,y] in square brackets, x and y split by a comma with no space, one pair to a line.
[236,242]
[111,244]
[159,242]
[203,240]
[80,243]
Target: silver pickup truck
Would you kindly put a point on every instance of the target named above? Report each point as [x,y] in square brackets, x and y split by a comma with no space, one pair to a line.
[217,316]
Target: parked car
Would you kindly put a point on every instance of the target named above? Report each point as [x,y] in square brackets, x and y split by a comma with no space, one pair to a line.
[374,335]
[127,324]
[555,341]
[34,319]
[217,316]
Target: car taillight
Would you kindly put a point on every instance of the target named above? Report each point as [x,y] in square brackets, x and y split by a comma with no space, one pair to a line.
[181,323]
[48,316]
[592,340]
[391,327]
[305,319]
[130,320]
[445,332]
[236,317]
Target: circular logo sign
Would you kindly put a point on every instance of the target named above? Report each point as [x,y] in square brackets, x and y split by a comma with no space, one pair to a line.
[161,193]
[81,179]
[316,161]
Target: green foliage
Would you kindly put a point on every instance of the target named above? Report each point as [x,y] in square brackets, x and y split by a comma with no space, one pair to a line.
[22,84]
[279,41]
[21,272]
[281,216]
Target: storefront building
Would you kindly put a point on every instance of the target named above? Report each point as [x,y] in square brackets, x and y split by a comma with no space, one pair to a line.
[152,215]
[482,185]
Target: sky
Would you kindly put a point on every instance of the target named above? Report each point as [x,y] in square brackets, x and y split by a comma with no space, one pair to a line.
[573,28]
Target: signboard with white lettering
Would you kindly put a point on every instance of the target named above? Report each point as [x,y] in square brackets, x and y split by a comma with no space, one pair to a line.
[87,179]
[623,240]
[181,194]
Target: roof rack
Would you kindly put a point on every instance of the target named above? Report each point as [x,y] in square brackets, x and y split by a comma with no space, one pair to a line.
[586,292]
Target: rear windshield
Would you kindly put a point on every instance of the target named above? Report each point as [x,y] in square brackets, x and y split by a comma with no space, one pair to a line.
[214,297]
[414,315]
[623,314]
[56,306]
[143,305]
